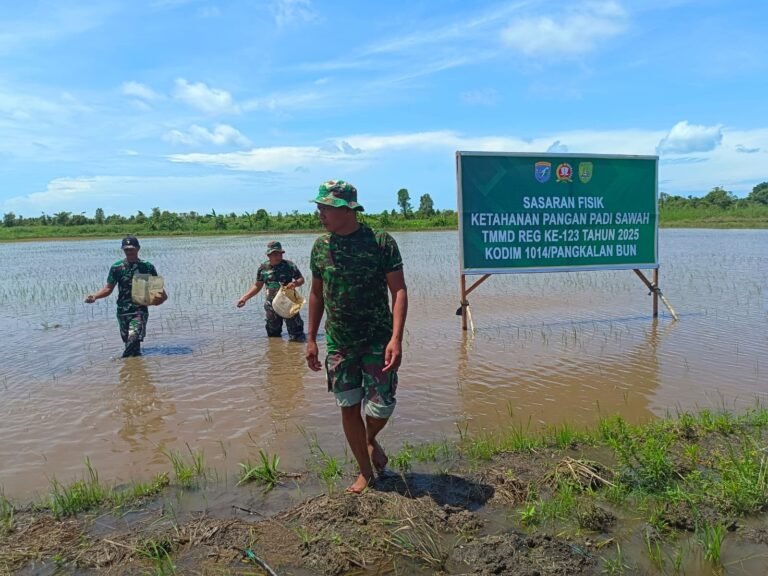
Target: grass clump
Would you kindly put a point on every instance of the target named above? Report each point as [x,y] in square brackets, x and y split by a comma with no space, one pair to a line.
[79,496]
[6,514]
[186,472]
[266,472]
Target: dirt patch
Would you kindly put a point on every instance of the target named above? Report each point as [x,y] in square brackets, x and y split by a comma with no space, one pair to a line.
[516,554]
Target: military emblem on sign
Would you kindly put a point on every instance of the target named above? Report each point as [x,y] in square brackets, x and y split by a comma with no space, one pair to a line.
[542,171]
[585,172]
[564,173]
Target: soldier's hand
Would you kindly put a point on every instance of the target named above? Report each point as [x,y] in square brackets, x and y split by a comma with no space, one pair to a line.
[90,299]
[311,355]
[240,303]
[291,285]
[393,355]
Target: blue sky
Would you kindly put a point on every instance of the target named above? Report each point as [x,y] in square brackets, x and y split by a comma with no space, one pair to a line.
[239,105]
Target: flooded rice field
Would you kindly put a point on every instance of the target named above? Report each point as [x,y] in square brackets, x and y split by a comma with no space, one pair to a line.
[548,349]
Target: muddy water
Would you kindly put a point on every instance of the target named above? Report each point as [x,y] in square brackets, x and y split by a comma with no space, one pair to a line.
[548,348]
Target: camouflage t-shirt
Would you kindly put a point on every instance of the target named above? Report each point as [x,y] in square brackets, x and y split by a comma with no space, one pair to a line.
[121,275]
[275,276]
[353,269]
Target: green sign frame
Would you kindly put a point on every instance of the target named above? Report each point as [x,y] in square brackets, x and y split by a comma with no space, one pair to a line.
[556,212]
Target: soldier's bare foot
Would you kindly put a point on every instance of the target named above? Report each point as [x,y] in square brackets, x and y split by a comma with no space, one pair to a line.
[360,485]
[379,458]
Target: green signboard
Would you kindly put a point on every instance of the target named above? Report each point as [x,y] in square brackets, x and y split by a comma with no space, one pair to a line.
[556,212]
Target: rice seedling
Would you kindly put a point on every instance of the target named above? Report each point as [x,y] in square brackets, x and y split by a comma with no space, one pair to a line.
[517,439]
[79,496]
[139,491]
[6,514]
[529,515]
[265,473]
[616,566]
[710,537]
[185,472]
[654,549]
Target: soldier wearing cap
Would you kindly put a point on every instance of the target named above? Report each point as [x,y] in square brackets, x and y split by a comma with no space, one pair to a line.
[276,272]
[131,318]
[353,268]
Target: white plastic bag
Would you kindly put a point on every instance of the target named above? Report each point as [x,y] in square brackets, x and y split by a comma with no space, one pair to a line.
[145,287]
[287,302]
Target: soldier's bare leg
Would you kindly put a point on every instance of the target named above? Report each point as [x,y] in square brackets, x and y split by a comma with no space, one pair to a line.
[357,438]
[375,451]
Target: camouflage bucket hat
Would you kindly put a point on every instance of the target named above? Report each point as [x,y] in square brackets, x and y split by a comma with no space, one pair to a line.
[274,246]
[339,194]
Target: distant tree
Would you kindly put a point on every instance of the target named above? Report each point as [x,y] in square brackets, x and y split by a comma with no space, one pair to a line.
[78,219]
[384,218]
[720,197]
[141,218]
[62,218]
[759,193]
[98,216]
[426,206]
[404,201]
[9,219]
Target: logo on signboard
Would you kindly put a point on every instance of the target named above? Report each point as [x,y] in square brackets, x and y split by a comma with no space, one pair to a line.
[564,173]
[585,172]
[542,171]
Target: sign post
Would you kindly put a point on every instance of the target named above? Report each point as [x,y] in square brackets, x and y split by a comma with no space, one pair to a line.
[522,213]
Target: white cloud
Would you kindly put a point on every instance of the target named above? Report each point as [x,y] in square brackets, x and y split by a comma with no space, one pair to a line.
[686,138]
[139,90]
[280,158]
[222,134]
[577,30]
[208,100]
[288,11]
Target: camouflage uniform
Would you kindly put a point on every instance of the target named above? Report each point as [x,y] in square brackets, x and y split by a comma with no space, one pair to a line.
[131,318]
[358,323]
[274,277]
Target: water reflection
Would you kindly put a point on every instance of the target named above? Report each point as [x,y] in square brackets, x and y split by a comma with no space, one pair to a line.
[283,366]
[141,407]
[549,376]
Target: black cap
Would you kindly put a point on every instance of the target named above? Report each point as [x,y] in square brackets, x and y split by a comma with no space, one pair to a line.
[131,241]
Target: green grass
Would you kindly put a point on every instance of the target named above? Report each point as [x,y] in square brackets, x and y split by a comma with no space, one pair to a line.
[79,496]
[6,514]
[265,472]
[187,472]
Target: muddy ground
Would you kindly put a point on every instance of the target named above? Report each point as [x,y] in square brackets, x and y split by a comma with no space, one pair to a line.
[424,521]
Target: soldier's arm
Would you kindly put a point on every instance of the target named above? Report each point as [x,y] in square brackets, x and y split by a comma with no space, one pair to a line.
[255,289]
[393,354]
[314,316]
[103,293]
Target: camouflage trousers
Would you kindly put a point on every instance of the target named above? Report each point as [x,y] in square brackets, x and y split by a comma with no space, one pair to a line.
[133,328]
[274,324]
[355,375]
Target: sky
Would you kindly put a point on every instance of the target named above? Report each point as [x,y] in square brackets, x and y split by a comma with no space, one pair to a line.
[237,105]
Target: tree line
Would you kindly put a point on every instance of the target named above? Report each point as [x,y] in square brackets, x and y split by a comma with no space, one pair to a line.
[426,216]
[717,201]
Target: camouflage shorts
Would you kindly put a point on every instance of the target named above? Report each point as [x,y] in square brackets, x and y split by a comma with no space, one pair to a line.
[355,375]
[133,325]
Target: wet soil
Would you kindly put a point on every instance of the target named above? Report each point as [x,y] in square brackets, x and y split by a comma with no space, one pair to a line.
[466,521]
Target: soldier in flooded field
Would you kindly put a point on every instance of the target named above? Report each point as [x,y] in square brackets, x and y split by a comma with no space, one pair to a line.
[131,318]
[353,267]
[274,273]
